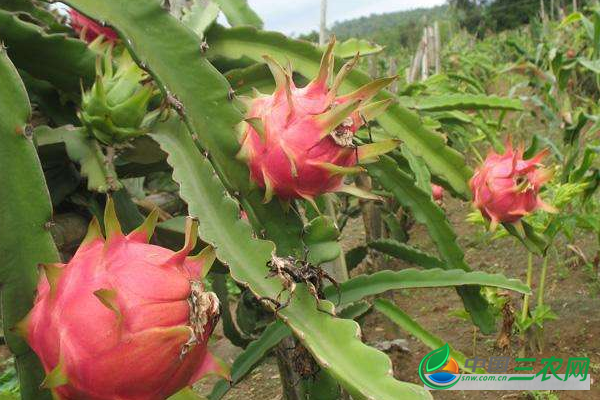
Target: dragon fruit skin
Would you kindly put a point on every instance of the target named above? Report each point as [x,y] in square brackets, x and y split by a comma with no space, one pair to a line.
[506,187]
[124,319]
[297,142]
[89,29]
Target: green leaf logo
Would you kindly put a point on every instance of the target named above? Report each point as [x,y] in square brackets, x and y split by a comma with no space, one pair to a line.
[437,358]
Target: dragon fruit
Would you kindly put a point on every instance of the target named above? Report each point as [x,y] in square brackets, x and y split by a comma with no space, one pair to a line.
[506,187]
[298,142]
[437,192]
[89,30]
[124,319]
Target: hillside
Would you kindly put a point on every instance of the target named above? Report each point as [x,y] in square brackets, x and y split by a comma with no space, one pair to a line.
[393,30]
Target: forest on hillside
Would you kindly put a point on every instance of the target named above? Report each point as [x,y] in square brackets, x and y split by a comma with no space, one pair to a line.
[402,30]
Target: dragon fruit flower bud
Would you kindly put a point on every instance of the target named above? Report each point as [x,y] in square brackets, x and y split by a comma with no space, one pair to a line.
[89,30]
[124,319]
[506,187]
[115,109]
[298,142]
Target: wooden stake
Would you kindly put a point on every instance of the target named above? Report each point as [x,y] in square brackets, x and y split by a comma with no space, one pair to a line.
[438,47]
[542,11]
[323,24]
[393,71]
[425,61]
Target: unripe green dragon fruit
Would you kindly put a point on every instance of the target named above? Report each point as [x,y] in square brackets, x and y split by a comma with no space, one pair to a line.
[124,319]
[298,142]
[115,109]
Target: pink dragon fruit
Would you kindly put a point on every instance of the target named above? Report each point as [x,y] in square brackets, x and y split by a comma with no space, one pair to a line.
[124,319]
[437,192]
[506,187]
[89,29]
[298,142]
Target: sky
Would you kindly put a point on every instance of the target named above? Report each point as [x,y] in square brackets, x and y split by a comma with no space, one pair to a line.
[302,16]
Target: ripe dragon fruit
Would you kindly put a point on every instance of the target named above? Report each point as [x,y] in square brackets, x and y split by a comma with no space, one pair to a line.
[506,187]
[437,192]
[298,142]
[124,319]
[88,29]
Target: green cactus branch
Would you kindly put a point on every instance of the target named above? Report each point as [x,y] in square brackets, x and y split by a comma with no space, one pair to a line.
[25,240]
[56,58]
[85,151]
[362,286]
[238,12]
[305,57]
[407,253]
[334,342]
[449,102]
[32,8]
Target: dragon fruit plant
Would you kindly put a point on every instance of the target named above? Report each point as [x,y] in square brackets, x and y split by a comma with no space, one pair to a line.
[124,318]
[506,187]
[298,142]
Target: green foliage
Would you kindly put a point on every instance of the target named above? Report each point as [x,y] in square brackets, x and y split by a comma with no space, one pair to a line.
[9,381]
[465,102]
[348,48]
[239,13]
[407,253]
[186,394]
[85,151]
[401,185]
[321,236]
[37,12]
[54,57]
[24,239]
[362,286]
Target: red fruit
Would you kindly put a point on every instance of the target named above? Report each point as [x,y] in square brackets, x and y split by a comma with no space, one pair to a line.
[89,29]
[437,192]
[506,187]
[124,319]
[298,141]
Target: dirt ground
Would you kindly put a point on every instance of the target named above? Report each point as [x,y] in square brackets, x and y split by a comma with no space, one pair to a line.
[571,291]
